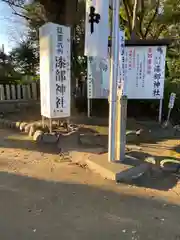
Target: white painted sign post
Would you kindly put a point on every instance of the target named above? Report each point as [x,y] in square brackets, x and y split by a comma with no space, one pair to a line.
[55,70]
[172,100]
[170,106]
[160,110]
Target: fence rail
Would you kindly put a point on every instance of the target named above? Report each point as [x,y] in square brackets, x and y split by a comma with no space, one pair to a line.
[19,92]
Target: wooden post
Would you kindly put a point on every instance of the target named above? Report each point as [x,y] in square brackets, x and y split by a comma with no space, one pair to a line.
[28,91]
[34,91]
[24,92]
[8,96]
[2,96]
[13,91]
[18,91]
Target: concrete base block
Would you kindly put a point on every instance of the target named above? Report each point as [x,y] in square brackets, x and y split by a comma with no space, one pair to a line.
[117,171]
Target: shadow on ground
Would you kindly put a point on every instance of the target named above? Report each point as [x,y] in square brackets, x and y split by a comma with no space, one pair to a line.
[38,209]
[160,176]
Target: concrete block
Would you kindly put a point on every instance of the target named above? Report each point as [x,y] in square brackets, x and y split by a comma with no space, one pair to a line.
[116,171]
[38,136]
[49,138]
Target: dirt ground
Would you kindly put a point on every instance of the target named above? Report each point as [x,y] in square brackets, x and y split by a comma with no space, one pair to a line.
[44,197]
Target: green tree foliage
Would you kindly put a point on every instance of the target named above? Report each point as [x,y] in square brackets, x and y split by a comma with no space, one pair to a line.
[25,59]
[7,71]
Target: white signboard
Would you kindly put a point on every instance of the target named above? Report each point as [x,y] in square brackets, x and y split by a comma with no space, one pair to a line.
[144,70]
[98,72]
[172,100]
[55,70]
[97,28]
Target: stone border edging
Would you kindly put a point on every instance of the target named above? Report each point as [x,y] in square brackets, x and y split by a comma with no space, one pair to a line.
[34,130]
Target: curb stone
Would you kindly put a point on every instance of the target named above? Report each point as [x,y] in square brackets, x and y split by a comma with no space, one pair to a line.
[34,130]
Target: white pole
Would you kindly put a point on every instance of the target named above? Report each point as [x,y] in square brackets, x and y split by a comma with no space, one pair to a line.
[160,110]
[113,80]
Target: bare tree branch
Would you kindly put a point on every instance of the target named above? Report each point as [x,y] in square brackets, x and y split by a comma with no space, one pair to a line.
[21,15]
[13,3]
[152,19]
[128,14]
[141,17]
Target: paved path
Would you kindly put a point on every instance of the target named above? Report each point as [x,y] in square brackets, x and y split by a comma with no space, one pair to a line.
[44,198]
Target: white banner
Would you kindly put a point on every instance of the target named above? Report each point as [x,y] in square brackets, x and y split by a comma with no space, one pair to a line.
[97,28]
[144,71]
[55,70]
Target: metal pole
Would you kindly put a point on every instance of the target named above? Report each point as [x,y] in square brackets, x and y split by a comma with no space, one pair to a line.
[121,128]
[89,107]
[168,117]
[160,110]
[113,80]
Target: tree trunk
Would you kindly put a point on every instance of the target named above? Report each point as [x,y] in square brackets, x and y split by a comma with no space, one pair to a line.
[135,8]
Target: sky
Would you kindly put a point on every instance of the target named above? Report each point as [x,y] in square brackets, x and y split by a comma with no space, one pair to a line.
[12,27]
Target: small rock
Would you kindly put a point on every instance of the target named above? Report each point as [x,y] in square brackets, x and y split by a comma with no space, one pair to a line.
[49,138]
[18,124]
[32,130]
[38,136]
[34,230]
[27,128]
[124,231]
[22,126]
